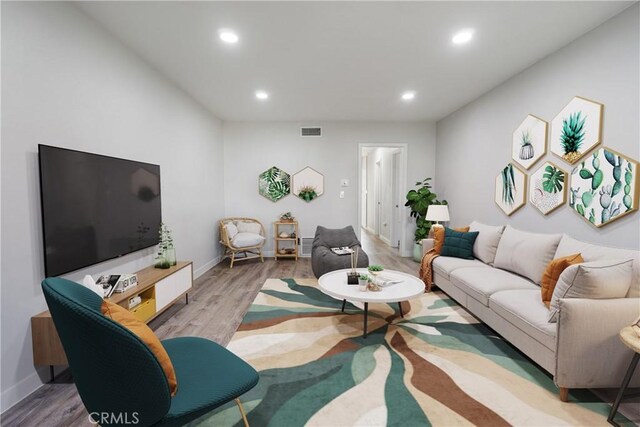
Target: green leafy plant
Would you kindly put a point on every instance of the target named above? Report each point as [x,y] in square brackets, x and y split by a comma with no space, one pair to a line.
[375,268]
[166,243]
[572,135]
[307,193]
[508,185]
[364,277]
[552,179]
[418,201]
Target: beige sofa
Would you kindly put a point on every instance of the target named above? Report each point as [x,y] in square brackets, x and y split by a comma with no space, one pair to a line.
[501,288]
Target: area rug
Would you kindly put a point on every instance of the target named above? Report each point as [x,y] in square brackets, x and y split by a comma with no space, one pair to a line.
[436,366]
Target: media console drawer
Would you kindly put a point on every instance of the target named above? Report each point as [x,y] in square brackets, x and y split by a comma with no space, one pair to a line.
[159,289]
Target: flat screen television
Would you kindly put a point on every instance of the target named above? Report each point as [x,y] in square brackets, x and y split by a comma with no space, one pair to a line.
[95,208]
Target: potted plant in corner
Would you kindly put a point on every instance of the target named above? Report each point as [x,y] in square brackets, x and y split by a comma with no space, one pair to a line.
[418,201]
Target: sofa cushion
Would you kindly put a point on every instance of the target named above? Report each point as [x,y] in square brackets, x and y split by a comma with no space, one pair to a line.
[486,243]
[481,283]
[444,265]
[438,236]
[249,227]
[458,244]
[231,230]
[526,254]
[590,252]
[592,280]
[524,310]
[245,240]
[552,274]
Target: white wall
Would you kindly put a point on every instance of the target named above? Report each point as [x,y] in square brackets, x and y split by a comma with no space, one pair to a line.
[474,143]
[66,82]
[253,147]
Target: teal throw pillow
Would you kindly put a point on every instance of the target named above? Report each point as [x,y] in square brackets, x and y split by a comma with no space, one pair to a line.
[458,244]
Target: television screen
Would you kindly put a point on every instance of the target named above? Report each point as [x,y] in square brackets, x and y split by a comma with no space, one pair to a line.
[95,208]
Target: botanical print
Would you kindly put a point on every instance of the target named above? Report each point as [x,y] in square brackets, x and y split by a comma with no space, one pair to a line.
[308,184]
[529,141]
[547,189]
[510,189]
[604,187]
[576,129]
[274,184]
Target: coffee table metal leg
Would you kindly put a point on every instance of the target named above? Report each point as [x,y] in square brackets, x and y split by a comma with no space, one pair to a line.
[400,307]
[623,388]
[366,311]
[344,303]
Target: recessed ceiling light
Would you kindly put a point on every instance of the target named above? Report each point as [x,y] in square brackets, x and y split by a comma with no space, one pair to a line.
[260,94]
[409,95]
[462,37]
[228,36]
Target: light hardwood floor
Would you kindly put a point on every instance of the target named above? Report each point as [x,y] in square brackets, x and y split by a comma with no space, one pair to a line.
[217,304]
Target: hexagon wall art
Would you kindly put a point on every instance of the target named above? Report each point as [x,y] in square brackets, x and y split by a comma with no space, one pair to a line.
[548,188]
[604,187]
[576,129]
[511,189]
[529,141]
[308,184]
[274,184]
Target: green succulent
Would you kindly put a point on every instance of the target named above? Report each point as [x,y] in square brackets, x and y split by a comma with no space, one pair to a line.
[375,267]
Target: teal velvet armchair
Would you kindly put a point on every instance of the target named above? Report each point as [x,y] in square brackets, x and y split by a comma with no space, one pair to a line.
[119,379]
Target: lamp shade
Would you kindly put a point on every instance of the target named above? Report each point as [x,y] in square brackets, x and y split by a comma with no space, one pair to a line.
[438,213]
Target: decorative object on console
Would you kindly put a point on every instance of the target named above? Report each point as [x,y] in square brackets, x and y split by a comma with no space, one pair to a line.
[511,189]
[529,141]
[576,129]
[274,184]
[547,188]
[418,201]
[166,256]
[308,184]
[287,217]
[604,187]
[89,283]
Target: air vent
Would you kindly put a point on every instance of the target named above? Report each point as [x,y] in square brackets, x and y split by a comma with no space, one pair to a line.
[311,131]
[305,247]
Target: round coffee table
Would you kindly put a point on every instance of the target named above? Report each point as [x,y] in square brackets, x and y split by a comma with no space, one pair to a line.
[335,285]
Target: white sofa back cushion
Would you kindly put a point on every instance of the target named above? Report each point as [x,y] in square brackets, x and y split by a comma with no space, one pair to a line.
[249,227]
[526,254]
[590,252]
[592,280]
[486,244]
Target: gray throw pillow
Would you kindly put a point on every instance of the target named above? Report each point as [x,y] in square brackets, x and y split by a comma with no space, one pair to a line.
[486,244]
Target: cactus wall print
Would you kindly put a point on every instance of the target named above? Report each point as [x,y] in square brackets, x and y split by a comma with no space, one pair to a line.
[510,189]
[529,141]
[274,184]
[547,188]
[308,184]
[576,129]
[604,187]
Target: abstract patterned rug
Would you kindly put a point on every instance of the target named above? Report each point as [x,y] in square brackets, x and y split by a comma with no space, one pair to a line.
[437,366]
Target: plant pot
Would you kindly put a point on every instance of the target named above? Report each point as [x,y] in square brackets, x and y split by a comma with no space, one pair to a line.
[362,285]
[417,252]
[526,152]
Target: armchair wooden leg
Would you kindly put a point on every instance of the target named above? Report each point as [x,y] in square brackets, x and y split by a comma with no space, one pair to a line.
[244,415]
[564,394]
[233,258]
[261,258]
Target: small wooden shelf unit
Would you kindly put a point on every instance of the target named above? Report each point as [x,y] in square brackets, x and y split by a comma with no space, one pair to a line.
[279,242]
[158,289]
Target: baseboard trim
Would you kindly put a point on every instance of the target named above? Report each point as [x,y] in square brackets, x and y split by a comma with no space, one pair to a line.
[206,267]
[385,240]
[21,390]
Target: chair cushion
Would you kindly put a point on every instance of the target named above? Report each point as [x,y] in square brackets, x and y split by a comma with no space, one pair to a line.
[526,254]
[231,229]
[458,244]
[209,376]
[481,283]
[248,227]
[486,245]
[524,310]
[127,319]
[552,274]
[245,240]
[444,265]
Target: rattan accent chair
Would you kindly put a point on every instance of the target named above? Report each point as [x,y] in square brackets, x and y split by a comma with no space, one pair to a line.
[232,250]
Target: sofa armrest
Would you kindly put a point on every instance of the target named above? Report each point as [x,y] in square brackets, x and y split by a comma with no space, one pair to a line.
[589,352]
[427,245]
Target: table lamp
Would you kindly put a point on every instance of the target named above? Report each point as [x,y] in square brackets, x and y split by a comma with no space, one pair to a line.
[437,213]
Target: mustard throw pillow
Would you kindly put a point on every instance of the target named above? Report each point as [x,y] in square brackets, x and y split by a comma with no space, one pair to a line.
[438,237]
[125,318]
[553,272]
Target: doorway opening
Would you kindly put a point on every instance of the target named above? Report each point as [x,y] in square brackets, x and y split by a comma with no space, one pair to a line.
[383,183]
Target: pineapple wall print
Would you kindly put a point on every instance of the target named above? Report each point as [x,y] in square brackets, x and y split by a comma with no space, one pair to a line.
[529,141]
[604,187]
[576,129]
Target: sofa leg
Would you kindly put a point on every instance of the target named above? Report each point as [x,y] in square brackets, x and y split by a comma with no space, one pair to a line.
[564,394]
[244,415]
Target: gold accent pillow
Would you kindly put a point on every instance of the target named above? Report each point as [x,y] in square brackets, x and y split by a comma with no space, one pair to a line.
[553,272]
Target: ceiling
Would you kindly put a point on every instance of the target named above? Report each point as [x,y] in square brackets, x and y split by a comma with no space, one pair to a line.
[344,60]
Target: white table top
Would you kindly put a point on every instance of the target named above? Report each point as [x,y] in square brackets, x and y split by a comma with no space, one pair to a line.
[335,285]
